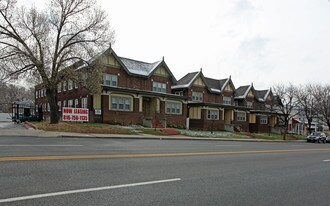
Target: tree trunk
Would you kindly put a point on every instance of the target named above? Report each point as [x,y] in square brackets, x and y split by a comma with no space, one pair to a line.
[309,126]
[286,123]
[52,99]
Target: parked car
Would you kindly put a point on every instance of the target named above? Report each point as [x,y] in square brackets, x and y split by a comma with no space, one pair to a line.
[317,137]
[328,139]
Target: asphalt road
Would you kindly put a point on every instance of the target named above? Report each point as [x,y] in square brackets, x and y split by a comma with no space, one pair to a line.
[86,171]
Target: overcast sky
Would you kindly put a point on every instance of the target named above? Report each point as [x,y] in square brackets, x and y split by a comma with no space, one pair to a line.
[260,41]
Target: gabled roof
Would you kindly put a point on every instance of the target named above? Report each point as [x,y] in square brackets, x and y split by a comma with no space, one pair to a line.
[188,79]
[133,67]
[261,95]
[139,67]
[242,91]
[213,85]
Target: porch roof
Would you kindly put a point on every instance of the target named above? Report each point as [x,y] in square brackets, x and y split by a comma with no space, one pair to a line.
[143,92]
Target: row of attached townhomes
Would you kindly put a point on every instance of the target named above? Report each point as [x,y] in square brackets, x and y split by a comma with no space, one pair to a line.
[148,94]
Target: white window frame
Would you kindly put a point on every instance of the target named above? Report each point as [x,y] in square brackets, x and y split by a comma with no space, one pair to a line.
[173,108]
[226,100]
[212,114]
[159,87]
[48,107]
[75,85]
[241,116]
[59,105]
[179,93]
[84,102]
[64,86]
[70,103]
[76,103]
[59,87]
[110,80]
[197,96]
[70,85]
[121,103]
[249,104]
[37,95]
[263,119]
[64,103]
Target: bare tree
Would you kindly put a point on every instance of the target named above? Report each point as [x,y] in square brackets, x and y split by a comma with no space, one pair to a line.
[286,105]
[306,103]
[321,94]
[44,42]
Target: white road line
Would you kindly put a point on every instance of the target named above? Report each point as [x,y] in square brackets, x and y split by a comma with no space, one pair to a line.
[228,145]
[37,145]
[326,160]
[14,199]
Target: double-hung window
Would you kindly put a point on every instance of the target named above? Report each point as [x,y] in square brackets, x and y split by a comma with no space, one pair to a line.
[263,120]
[241,116]
[159,87]
[59,87]
[249,104]
[120,103]
[70,84]
[227,100]
[59,105]
[110,80]
[197,96]
[173,108]
[212,114]
[84,102]
[70,103]
[64,86]
[76,103]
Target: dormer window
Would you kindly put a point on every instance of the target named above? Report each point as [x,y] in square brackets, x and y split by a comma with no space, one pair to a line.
[179,93]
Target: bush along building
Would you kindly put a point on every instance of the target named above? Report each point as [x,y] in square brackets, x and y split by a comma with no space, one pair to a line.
[148,94]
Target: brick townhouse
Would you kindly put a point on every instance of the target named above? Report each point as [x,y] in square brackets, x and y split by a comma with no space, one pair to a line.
[216,104]
[133,92]
[136,92]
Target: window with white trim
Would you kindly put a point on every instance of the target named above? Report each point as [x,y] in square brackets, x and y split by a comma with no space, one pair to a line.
[110,80]
[70,103]
[48,107]
[159,87]
[241,116]
[64,103]
[179,93]
[59,106]
[64,86]
[70,84]
[37,96]
[227,100]
[263,120]
[212,114]
[84,102]
[249,104]
[197,96]
[59,87]
[173,107]
[120,103]
[75,85]
[76,102]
